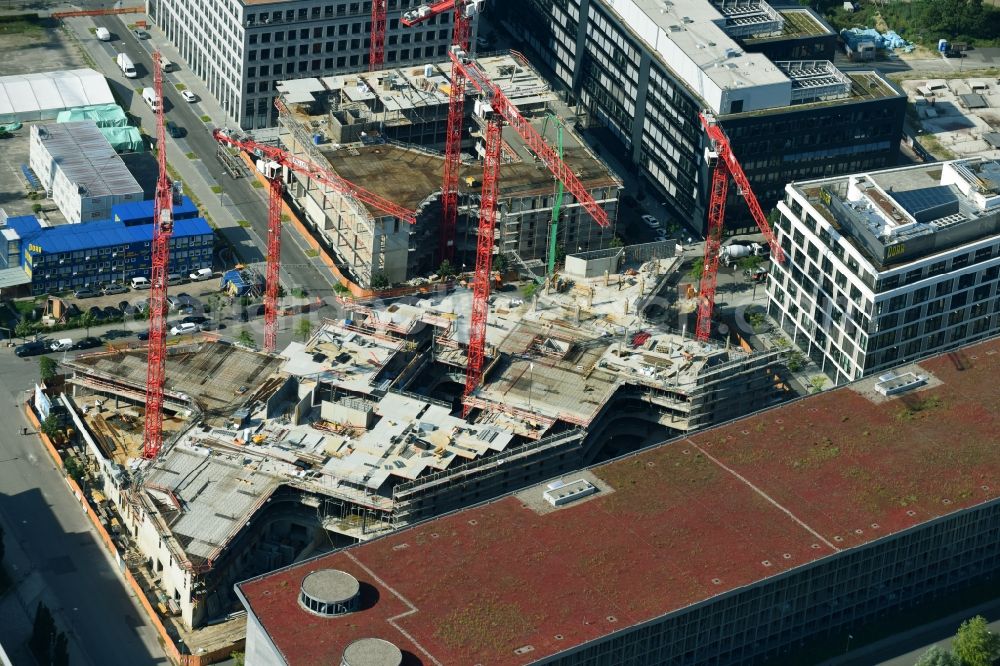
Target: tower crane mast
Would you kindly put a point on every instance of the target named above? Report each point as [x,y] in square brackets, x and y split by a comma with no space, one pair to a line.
[503,111]
[316,173]
[163,226]
[465,11]
[726,167]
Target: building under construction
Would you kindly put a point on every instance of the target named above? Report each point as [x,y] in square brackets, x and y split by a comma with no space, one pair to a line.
[385,131]
[358,431]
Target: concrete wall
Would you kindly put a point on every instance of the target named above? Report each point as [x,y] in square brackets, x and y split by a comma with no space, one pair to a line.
[260,651]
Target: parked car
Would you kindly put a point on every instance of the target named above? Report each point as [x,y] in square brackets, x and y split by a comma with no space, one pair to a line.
[194,319]
[112,312]
[33,348]
[86,292]
[63,344]
[88,343]
[189,96]
[651,221]
[140,33]
[173,129]
[183,328]
[97,313]
[73,310]
[127,308]
[143,335]
[211,326]
[115,288]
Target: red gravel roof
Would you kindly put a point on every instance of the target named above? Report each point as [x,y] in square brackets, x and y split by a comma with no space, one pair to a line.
[686,521]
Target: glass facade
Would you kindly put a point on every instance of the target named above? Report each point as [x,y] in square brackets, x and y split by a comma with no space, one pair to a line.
[645,105]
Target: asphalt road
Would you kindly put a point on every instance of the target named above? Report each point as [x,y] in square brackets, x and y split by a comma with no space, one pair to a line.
[53,554]
[249,201]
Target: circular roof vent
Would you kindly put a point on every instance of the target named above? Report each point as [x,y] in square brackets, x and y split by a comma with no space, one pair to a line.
[371,652]
[329,592]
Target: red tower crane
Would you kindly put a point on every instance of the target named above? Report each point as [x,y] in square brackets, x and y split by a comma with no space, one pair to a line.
[376,50]
[163,226]
[504,111]
[461,34]
[726,165]
[320,175]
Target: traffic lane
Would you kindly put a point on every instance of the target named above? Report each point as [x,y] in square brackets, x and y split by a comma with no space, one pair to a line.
[248,200]
[48,524]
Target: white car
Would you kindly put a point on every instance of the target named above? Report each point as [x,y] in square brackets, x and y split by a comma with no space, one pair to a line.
[651,221]
[189,96]
[186,327]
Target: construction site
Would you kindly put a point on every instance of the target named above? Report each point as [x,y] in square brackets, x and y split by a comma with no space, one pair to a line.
[385,130]
[359,431]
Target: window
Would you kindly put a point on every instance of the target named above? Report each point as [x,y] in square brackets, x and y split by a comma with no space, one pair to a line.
[936,269]
[943,288]
[966,281]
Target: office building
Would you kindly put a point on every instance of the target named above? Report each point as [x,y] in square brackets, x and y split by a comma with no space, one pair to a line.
[740,544]
[80,170]
[242,48]
[890,266]
[58,258]
[644,69]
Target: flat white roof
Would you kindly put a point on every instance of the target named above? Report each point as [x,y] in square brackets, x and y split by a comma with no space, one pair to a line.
[690,37]
[25,94]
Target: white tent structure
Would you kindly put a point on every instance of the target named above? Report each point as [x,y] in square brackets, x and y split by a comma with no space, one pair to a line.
[27,97]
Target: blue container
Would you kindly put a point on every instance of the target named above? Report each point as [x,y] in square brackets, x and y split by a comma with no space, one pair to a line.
[317,139]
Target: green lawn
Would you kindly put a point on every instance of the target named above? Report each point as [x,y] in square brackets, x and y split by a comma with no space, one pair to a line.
[180,86]
[206,119]
[191,156]
[217,189]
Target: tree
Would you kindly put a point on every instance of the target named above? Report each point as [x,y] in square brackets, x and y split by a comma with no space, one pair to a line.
[340,289]
[750,263]
[47,368]
[42,634]
[697,268]
[529,290]
[446,269]
[239,658]
[23,329]
[380,281]
[304,328]
[87,319]
[500,263]
[975,644]
[246,339]
[60,650]
[935,656]
[50,426]
[616,241]
[796,361]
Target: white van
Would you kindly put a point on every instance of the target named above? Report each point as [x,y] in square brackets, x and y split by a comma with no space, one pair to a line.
[140,283]
[126,65]
[201,274]
[63,344]
[185,328]
[167,65]
[103,34]
[149,95]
